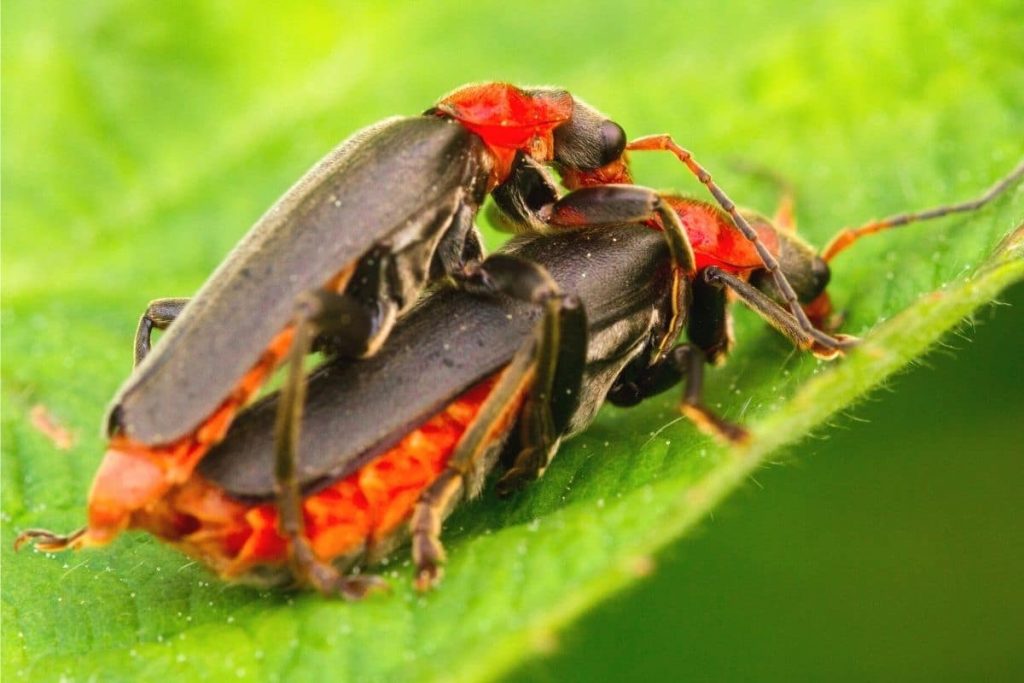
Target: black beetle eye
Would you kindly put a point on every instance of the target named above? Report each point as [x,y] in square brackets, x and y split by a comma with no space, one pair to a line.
[820,273]
[613,142]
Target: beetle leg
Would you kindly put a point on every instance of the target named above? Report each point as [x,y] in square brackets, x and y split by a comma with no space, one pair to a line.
[640,380]
[519,202]
[459,245]
[685,360]
[846,237]
[561,357]
[773,313]
[317,311]
[835,344]
[50,542]
[560,343]
[470,454]
[160,313]
[709,327]
[613,204]
[692,406]
[548,371]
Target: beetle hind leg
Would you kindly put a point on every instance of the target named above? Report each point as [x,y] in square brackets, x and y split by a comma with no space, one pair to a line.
[309,570]
[315,312]
[544,377]
[479,441]
[775,315]
[425,526]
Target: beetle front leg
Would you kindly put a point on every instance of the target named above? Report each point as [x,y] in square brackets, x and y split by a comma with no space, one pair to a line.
[316,312]
[460,244]
[774,314]
[160,313]
[529,202]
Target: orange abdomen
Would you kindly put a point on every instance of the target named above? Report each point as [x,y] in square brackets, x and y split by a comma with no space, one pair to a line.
[348,517]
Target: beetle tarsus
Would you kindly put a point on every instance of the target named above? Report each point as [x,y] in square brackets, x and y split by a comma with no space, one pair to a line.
[845,343]
[428,576]
[690,360]
[325,579]
[712,425]
[354,588]
[425,526]
[529,465]
[49,541]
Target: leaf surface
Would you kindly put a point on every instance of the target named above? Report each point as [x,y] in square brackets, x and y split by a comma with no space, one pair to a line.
[141,140]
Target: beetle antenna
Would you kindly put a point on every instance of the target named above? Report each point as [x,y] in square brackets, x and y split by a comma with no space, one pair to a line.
[846,237]
[785,212]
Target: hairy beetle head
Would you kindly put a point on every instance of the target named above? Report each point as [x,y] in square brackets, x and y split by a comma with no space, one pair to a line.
[806,272]
[588,140]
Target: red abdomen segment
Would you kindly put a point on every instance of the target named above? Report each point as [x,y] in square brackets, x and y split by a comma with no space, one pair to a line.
[717,241]
[348,517]
[134,475]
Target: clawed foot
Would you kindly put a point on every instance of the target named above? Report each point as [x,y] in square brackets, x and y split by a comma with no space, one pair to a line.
[331,583]
[48,541]
[428,575]
[327,580]
[512,480]
[727,432]
[845,342]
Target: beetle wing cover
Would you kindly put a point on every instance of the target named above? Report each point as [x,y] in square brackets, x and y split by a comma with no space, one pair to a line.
[355,411]
[372,190]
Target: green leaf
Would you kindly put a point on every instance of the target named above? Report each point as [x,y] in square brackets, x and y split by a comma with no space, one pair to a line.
[140,140]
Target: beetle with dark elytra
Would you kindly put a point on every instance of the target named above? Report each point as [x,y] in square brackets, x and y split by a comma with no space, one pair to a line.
[346,251]
[389,444]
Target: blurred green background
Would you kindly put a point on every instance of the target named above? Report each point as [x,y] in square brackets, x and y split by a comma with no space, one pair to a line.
[884,549]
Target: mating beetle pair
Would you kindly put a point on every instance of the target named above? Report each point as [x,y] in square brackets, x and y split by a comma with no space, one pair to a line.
[391,443]
[169,413]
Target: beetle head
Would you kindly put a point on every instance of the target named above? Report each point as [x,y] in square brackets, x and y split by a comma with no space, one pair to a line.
[805,270]
[590,149]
